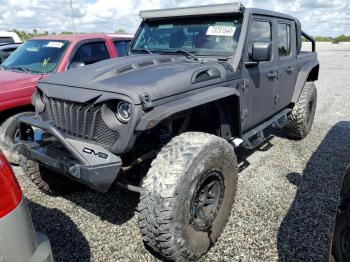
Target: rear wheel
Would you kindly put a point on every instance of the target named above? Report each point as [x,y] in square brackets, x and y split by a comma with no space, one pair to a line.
[187,196]
[9,130]
[302,116]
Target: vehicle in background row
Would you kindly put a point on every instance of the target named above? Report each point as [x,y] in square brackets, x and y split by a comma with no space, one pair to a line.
[19,242]
[341,235]
[36,59]
[6,50]
[9,37]
[3,56]
[199,81]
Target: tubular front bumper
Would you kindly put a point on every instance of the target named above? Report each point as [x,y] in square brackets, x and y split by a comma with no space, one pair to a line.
[87,163]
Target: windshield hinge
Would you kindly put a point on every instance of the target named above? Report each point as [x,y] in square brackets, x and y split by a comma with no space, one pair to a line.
[146,101]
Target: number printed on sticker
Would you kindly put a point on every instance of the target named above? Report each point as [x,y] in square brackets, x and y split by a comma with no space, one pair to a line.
[55,44]
[221,30]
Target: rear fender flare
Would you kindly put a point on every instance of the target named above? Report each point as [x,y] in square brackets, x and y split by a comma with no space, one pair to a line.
[303,76]
[154,117]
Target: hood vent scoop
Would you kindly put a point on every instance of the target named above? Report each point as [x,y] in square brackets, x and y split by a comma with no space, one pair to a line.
[146,63]
[124,69]
[165,60]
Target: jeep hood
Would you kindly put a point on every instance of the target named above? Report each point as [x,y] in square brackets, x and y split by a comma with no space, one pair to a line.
[159,76]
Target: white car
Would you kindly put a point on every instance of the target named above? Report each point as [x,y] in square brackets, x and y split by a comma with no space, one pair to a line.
[9,37]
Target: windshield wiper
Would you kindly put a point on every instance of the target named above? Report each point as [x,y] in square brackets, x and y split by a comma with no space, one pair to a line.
[142,50]
[190,54]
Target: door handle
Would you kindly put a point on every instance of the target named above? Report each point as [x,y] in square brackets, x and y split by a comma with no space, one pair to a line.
[272,75]
[290,69]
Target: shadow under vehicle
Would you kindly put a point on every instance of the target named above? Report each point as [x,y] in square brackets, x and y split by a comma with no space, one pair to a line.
[306,231]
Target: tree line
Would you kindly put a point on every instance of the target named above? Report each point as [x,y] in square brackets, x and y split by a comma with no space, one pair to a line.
[27,35]
[335,40]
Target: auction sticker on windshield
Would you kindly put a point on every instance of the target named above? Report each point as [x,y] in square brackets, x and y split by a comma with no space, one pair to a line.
[221,30]
[55,44]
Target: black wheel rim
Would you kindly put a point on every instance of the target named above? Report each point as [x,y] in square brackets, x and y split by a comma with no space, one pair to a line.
[207,200]
[345,242]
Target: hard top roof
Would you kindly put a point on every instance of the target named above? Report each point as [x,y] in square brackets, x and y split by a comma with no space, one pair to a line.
[234,7]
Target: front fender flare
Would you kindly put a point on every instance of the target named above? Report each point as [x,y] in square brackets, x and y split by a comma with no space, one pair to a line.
[154,117]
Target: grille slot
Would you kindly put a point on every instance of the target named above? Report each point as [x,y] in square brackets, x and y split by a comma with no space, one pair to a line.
[79,120]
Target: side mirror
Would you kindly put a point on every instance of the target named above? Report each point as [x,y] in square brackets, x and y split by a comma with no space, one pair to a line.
[76,65]
[261,51]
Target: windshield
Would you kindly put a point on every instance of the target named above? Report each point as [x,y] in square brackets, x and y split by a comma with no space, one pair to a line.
[208,36]
[36,56]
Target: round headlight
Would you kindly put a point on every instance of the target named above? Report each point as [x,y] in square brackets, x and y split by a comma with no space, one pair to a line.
[123,111]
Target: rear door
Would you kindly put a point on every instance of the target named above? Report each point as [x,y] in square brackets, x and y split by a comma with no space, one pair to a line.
[260,87]
[286,53]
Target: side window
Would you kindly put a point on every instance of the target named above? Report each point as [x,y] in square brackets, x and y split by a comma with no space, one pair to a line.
[5,40]
[284,39]
[122,47]
[90,53]
[260,31]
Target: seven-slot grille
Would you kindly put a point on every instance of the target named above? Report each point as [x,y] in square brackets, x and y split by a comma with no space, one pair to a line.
[82,120]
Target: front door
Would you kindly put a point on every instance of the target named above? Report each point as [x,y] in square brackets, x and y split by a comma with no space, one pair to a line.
[261,83]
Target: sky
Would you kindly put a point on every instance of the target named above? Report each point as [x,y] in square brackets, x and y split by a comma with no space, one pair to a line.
[318,17]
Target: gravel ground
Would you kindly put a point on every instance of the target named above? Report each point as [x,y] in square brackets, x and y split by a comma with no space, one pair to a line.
[284,208]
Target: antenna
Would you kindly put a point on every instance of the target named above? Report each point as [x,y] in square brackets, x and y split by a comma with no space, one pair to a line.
[72,10]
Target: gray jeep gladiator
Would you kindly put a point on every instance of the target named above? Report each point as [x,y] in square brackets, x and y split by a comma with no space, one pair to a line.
[198,82]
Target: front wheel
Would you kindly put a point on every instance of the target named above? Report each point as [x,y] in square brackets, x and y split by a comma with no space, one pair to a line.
[187,196]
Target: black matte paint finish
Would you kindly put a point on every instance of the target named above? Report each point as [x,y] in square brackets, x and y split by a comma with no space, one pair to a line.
[245,93]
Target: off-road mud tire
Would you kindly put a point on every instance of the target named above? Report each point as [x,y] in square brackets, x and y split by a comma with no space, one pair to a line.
[48,181]
[168,191]
[8,130]
[300,120]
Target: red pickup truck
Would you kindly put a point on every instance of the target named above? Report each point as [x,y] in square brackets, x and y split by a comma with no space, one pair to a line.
[36,59]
